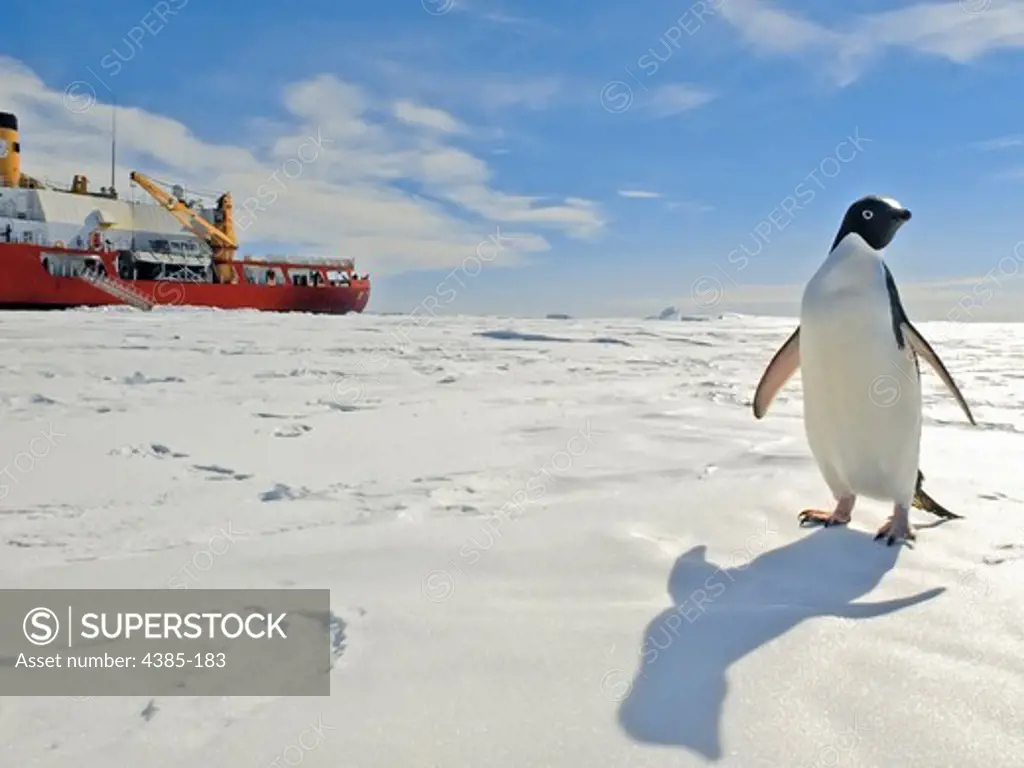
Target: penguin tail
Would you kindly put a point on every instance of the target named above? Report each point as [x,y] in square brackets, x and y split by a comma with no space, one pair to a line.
[925,502]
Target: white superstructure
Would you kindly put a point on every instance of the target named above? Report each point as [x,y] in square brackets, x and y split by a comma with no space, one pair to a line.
[54,218]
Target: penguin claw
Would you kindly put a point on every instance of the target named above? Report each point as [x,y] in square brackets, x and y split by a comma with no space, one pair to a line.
[893,537]
[820,517]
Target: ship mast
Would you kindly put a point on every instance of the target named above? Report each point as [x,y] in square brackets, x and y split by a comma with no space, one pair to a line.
[113,147]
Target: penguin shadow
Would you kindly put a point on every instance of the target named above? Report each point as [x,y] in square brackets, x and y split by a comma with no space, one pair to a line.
[720,615]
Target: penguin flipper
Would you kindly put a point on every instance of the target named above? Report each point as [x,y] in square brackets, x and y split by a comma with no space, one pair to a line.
[924,349]
[778,372]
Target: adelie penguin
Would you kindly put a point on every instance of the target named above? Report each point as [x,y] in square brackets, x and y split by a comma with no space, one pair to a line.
[858,355]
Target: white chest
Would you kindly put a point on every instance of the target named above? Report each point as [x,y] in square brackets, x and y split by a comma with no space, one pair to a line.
[861,397]
[845,312]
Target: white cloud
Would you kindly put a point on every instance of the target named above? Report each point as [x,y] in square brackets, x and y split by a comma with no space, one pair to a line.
[1003,142]
[638,193]
[772,29]
[480,89]
[495,12]
[536,93]
[670,100]
[426,117]
[690,206]
[947,29]
[390,193]
[944,29]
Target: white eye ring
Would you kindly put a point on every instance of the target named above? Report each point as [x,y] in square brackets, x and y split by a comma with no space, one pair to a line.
[867,214]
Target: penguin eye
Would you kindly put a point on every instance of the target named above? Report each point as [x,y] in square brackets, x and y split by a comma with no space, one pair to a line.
[868,214]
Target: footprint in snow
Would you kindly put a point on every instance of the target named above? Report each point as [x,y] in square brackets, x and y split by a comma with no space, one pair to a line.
[343,408]
[1010,553]
[282,492]
[292,430]
[153,450]
[140,378]
[220,473]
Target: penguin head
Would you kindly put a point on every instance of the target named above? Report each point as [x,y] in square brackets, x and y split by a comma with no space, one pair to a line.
[876,219]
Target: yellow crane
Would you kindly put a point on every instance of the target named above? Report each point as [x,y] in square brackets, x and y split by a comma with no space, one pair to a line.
[221,238]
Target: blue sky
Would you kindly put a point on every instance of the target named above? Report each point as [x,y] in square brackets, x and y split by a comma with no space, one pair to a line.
[730,107]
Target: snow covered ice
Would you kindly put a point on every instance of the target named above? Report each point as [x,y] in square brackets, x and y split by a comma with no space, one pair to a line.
[548,542]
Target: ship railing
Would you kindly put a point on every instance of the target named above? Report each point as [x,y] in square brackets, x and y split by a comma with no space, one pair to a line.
[298,262]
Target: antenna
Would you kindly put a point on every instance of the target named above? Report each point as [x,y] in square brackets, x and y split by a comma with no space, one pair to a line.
[113,145]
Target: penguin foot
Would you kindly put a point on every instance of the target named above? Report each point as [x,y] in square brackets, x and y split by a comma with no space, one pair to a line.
[897,529]
[839,516]
[821,517]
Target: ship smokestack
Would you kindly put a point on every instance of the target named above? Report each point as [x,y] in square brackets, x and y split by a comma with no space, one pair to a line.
[10,151]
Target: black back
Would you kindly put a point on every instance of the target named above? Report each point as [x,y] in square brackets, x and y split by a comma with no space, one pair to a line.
[899,314]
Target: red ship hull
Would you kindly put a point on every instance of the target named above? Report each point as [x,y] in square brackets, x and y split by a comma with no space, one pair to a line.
[25,283]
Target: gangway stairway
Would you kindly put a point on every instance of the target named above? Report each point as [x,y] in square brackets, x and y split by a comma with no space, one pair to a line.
[117,290]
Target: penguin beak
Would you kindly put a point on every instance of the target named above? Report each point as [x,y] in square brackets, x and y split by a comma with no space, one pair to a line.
[903,215]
